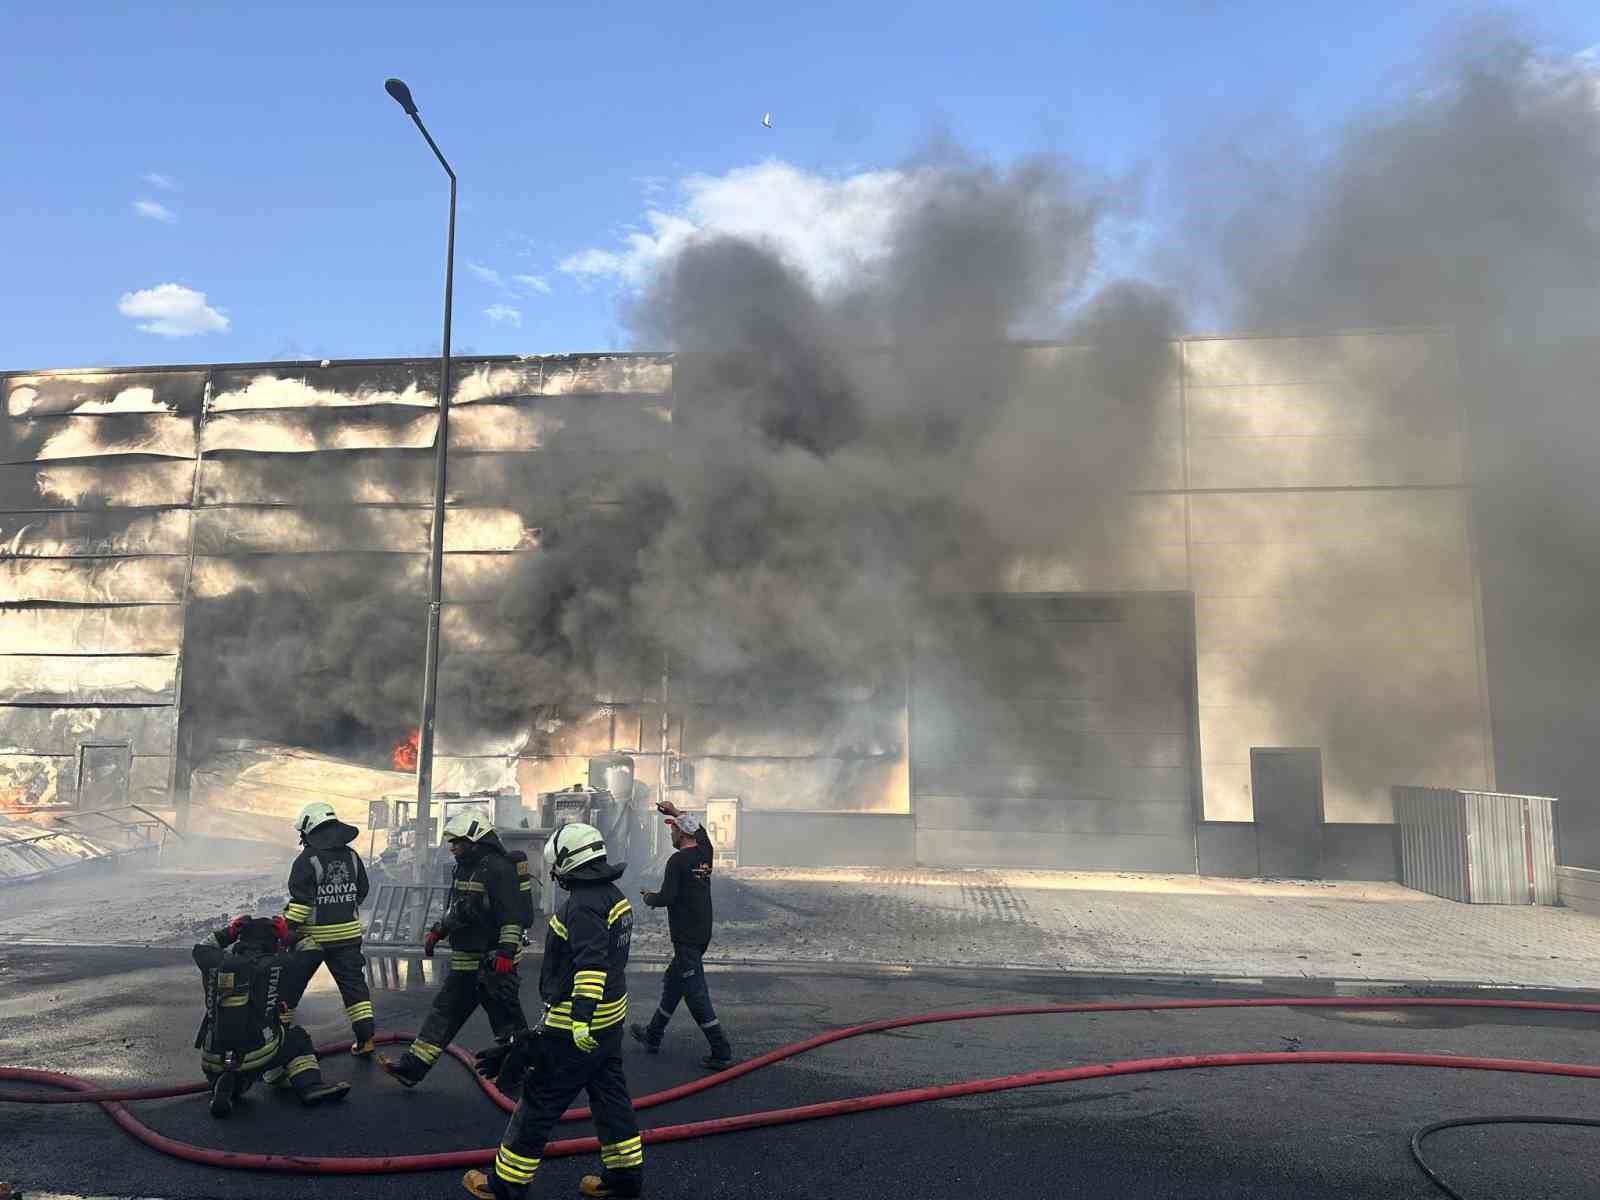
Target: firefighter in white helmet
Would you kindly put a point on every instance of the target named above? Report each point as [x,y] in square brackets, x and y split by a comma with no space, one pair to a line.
[489,908]
[327,886]
[578,1045]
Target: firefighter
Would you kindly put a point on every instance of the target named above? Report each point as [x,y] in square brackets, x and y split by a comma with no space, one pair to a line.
[489,908]
[577,1044]
[686,895]
[247,1034]
[327,886]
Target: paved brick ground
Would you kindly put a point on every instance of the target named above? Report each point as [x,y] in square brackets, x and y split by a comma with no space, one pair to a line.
[1139,924]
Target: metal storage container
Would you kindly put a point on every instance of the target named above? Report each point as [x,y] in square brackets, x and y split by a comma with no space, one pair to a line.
[1477,847]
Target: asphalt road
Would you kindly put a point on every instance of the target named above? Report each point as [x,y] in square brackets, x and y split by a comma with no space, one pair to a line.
[125,1017]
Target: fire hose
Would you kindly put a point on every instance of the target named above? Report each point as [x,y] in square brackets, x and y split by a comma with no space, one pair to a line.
[79,1091]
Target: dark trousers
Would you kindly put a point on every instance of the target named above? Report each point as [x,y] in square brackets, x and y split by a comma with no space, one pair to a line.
[686,980]
[458,999]
[295,1056]
[348,967]
[553,1082]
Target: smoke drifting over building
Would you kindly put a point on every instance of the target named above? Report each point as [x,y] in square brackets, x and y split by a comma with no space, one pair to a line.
[1068,582]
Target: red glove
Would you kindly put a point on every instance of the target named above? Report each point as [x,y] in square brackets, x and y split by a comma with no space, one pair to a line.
[504,964]
[430,941]
[281,927]
[235,925]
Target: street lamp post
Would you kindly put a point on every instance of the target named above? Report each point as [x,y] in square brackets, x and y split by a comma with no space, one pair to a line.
[441,445]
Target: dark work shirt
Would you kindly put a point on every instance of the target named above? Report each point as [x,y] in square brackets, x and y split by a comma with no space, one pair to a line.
[686,895]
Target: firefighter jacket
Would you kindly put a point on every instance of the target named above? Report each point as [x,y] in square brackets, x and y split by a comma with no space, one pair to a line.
[245,999]
[584,977]
[484,913]
[327,886]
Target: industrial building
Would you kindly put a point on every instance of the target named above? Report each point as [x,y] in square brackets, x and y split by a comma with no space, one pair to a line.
[1223,669]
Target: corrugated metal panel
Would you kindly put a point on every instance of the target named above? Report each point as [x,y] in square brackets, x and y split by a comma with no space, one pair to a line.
[298,431]
[413,385]
[103,392]
[97,437]
[33,486]
[93,534]
[135,629]
[92,580]
[226,531]
[1495,849]
[52,731]
[1432,841]
[1477,847]
[79,680]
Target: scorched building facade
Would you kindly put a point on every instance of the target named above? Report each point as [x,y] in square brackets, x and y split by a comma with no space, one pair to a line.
[1274,622]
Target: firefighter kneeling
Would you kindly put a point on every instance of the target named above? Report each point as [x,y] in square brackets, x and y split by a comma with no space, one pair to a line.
[248,969]
[577,1045]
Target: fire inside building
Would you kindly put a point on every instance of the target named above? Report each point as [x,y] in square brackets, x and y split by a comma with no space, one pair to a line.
[1188,682]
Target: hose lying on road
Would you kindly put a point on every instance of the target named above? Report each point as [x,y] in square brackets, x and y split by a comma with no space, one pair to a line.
[79,1091]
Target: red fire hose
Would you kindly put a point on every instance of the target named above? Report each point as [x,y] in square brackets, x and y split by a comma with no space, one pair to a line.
[81,1092]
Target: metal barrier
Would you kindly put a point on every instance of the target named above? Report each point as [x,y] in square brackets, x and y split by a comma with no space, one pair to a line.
[92,836]
[402,913]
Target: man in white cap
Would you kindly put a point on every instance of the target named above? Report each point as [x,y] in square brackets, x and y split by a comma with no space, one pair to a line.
[686,895]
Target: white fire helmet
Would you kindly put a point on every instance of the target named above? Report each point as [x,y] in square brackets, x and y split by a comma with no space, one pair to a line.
[470,823]
[572,845]
[313,815]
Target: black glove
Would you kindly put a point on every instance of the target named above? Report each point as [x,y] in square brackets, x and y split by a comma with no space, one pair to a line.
[506,1062]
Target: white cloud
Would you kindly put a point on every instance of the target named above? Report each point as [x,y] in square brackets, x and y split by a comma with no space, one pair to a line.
[152,211]
[828,228]
[532,283]
[157,180]
[485,275]
[173,311]
[503,314]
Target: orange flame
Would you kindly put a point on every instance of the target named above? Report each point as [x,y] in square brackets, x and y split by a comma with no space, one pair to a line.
[405,751]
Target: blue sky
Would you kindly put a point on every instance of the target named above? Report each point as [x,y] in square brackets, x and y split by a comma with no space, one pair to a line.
[248,153]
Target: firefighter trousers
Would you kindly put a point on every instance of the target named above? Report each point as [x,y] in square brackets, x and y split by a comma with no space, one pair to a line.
[458,999]
[294,1055]
[348,966]
[554,1080]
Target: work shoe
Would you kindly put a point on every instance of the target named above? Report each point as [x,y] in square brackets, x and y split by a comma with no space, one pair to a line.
[364,1049]
[716,1061]
[622,1182]
[641,1033]
[324,1093]
[223,1092]
[483,1185]
[397,1070]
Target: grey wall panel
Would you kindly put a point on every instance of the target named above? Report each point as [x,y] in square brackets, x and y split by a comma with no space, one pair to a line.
[1061,851]
[94,534]
[49,438]
[1228,849]
[99,392]
[796,839]
[114,484]
[225,531]
[1363,852]
[92,580]
[1115,808]
[59,731]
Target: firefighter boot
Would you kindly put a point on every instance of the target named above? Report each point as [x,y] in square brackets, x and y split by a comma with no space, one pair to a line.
[324,1093]
[721,1056]
[614,1181]
[642,1034]
[364,1048]
[223,1093]
[486,1185]
[408,1070]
